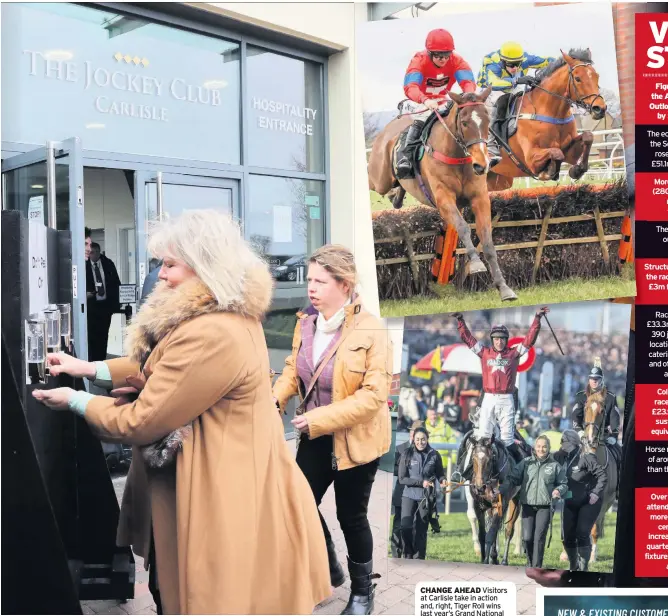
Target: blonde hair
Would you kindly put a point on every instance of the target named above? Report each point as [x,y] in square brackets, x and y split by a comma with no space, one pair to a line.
[211,244]
[543,437]
[338,261]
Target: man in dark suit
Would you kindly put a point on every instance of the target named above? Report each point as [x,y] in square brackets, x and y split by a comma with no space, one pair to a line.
[102,291]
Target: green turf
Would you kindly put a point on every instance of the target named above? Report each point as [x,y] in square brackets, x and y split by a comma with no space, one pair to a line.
[451,300]
[455,544]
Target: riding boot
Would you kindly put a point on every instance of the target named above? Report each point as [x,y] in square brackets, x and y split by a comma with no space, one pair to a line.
[405,155]
[336,574]
[528,548]
[362,589]
[584,552]
[573,558]
[493,148]
[515,451]
[458,474]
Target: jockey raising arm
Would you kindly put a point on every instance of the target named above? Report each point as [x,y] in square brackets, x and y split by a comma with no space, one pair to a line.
[499,362]
[499,369]
[433,72]
[501,68]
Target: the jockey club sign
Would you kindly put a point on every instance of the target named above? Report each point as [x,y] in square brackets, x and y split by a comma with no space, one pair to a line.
[105,82]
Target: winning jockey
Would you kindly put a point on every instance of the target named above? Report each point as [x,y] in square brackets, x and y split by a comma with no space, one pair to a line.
[499,369]
[429,77]
[501,69]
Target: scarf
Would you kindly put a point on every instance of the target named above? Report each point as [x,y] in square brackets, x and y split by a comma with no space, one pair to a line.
[329,326]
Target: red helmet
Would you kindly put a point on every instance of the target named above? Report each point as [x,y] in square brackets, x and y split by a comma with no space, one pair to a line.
[440,40]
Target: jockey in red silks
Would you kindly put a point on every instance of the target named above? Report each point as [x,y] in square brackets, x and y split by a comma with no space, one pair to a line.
[429,77]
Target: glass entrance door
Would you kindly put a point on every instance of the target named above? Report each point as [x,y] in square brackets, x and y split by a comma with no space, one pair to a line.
[47,184]
[159,196]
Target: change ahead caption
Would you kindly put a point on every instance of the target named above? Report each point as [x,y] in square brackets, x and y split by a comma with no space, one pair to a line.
[457,599]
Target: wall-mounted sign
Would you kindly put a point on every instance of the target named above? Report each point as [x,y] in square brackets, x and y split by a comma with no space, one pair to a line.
[36,208]
[38,287]
[118,93]
[295,119]
[127,294]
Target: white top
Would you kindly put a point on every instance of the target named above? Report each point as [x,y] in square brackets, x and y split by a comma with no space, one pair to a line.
[326,330]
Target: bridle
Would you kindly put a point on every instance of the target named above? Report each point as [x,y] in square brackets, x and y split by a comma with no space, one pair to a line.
[492,459]
[458,135]
[579,101]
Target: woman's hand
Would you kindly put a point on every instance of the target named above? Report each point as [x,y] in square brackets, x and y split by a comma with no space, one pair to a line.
[556,493]
[444,483]
[126,395]
[301,424]
[427,484]
[57,399]
[62,363]
[547,577]
[593,499]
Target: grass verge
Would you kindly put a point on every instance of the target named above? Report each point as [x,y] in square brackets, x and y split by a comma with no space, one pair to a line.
[455,544]
[451,300]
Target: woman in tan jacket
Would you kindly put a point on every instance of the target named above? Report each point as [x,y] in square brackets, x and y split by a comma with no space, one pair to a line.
[341,368]
[234,524]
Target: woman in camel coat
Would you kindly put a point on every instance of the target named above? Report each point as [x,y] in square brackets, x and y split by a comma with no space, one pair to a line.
[234,522]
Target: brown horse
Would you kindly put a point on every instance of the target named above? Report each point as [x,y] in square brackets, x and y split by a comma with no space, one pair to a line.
[546,130]
[491,465]
[451,173]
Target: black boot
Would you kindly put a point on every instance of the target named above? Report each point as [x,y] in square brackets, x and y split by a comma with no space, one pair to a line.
[458,474]
[528,548]
[493,147]
[336,574]
[362,588]
[573,558]
[405,154]
[584,552]
[515,451]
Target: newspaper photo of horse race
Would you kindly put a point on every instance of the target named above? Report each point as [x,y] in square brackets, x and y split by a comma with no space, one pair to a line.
[495,163]
[508,436]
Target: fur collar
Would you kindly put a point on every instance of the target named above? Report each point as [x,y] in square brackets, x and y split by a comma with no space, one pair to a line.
[165,309]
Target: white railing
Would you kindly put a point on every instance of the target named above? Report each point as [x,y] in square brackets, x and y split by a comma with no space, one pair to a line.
[603,168]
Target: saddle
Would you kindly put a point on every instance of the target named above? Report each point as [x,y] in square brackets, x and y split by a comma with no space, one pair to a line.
[417,152]
[505,122]
[607,452]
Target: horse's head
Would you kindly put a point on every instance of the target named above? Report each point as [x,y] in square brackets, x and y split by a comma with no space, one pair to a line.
[583,84]
[483,463]
[471,127]
[593,418]
[574,78]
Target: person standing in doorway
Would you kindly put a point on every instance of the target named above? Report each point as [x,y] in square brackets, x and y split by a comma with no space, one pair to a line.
[103,289]
[341,368]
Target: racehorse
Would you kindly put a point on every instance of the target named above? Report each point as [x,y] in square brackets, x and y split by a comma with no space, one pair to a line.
[491,465]
[546,134]
[450,174]
[594,442]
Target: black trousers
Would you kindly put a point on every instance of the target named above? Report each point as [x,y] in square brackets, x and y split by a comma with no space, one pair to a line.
[578,521]
[153,578]
[352,489]
[396,540]
[535,524]
[99,322]
[413,529]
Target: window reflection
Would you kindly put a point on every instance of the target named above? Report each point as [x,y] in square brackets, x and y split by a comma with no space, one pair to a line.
[286,111]
[284,222]
[119,83]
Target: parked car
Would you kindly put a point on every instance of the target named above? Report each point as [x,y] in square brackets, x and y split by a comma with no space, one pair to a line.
[289,270]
